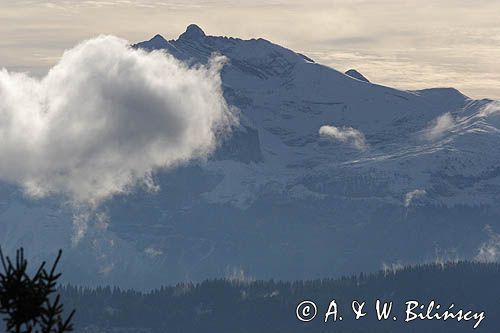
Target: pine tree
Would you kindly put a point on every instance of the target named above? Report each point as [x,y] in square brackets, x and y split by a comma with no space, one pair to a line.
[30,304]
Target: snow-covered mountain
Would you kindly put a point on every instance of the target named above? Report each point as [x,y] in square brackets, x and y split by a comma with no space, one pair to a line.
[327,174]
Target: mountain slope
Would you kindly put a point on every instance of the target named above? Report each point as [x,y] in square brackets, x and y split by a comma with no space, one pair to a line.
[326,175]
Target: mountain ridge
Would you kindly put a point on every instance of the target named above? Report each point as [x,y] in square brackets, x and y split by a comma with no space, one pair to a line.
[395,176]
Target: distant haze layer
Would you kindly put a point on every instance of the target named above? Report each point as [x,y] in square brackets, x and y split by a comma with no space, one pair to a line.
[405,44]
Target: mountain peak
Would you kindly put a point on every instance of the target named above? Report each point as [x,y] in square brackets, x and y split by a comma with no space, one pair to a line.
[356,75]
[192,32]
[158,37]
[157,42]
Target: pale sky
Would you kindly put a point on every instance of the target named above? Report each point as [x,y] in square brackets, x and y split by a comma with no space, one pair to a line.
[406,44]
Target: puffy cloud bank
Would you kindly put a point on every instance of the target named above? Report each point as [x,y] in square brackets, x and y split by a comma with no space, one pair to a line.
[105,117]
[344,134]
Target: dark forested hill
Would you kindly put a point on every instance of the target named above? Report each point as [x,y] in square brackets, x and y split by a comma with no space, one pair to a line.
[270,306]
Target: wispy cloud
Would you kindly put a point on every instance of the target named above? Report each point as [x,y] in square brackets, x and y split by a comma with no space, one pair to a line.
[490,109]
[238,275]
[439,127]
[153,252]
[392,268]
[344,134]
[489,251]
[413,195]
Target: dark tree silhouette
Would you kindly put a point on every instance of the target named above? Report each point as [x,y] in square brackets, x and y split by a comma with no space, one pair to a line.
[30,304]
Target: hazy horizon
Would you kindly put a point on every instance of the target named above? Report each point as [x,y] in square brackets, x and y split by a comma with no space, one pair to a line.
[406,45]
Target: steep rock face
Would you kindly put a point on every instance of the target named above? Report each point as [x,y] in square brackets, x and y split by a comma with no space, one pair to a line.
[242,145]
[395,176]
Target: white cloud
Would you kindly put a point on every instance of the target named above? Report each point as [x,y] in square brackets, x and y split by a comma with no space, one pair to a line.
[439,127]
[344,134]
[391,268]
[412,195]
[104,118]
[238,275]
[490,250]
[153,252]
[490,109]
